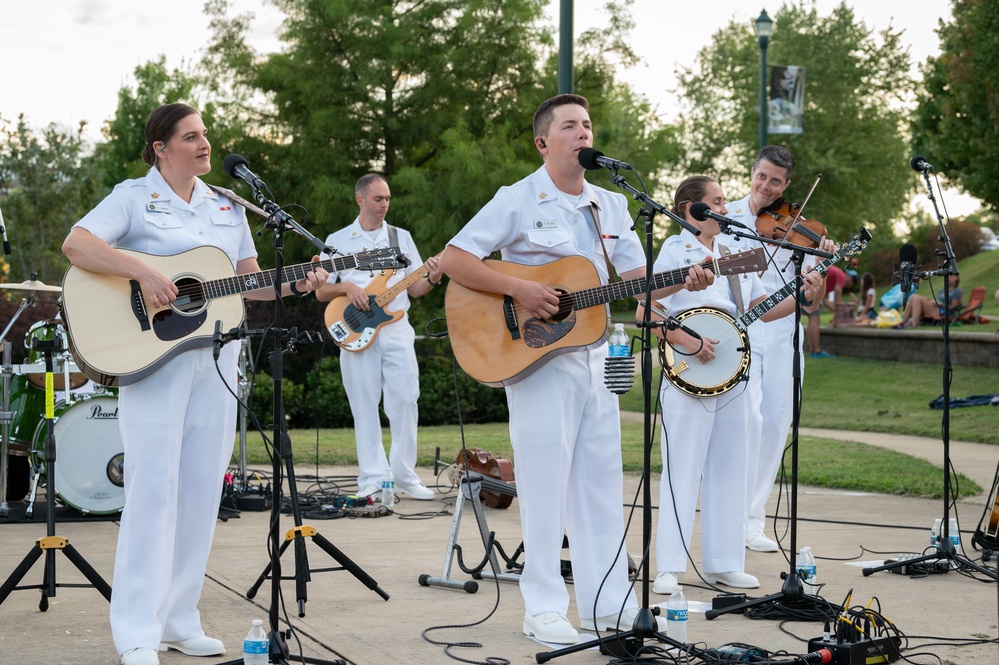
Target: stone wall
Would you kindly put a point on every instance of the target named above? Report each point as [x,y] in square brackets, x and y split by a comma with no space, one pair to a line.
[923,344]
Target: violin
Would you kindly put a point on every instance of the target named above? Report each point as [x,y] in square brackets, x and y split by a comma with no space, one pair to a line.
[498,468]
[782,220]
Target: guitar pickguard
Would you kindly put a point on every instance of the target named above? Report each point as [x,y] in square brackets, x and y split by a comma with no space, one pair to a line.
[357,320]
[169,325]
[539,334]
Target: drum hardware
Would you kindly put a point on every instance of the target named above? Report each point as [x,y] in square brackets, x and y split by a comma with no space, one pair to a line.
[51,543]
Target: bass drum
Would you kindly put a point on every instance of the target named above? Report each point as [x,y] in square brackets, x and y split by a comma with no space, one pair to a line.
[89,455]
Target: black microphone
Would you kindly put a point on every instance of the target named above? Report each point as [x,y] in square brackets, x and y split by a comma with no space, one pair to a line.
[235,166]
[919,163]
[3,232]
[217,340]
[701,211]
[592,159]
[907,257]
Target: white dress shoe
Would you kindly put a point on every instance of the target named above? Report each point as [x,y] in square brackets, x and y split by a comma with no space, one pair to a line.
[757,542]
[626,622]
[736,579]
[140,657]
[415,491]
[374,491]
[665,584]
[202,645]
[551,627]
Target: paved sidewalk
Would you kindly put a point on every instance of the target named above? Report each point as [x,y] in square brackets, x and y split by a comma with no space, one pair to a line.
[344,619]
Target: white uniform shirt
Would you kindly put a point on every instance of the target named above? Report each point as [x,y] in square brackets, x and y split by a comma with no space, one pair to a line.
[353,239]
[145,215]
[685,250]
[533,223]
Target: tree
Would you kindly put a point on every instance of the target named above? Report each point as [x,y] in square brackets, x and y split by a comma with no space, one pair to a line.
[49,184]
[856,91]
[956,122]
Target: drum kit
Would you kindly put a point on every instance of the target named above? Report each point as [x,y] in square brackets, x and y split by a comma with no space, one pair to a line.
[88,477]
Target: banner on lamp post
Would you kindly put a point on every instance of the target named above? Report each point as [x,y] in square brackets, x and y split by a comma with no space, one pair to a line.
[786,110]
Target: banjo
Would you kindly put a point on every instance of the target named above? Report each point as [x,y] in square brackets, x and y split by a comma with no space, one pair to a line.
[731,362]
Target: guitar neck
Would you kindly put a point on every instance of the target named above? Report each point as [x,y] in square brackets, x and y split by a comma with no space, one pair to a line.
[403,284]
[619,290]
[775,298]
[228,286]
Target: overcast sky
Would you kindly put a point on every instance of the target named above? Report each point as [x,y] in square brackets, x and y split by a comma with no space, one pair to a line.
[65,60]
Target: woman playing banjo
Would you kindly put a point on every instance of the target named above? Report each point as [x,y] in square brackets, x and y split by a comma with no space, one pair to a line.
[704,436]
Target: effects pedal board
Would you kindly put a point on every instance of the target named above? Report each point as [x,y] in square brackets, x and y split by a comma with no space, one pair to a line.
[919,568]
[865,652]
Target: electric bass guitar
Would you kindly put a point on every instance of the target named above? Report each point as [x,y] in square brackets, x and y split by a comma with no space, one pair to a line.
[354,329]
[117,338]
[497,344]
[732,354]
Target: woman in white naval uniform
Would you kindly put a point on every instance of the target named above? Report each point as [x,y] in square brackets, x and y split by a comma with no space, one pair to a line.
[704,438]
[564,424]
[177,424]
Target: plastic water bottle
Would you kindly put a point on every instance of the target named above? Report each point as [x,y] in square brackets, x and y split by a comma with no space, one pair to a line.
[676,616]
[255,646]
[935,532]
[807,569]
[388,489]
[619,366]
[954,533]
[618,342]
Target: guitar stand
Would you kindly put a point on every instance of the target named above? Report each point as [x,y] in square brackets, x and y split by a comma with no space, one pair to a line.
[469,490]
[51,543]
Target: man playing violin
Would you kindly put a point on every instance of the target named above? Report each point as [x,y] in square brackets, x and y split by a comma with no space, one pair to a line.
[770,372]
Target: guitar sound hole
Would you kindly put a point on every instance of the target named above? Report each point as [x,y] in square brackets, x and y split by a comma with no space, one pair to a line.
[190,296]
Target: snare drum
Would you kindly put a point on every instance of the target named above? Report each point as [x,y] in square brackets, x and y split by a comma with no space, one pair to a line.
[89,455]
[47,331]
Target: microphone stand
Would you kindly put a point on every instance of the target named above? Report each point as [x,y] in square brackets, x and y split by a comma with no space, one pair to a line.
[629,643]
[792,589]
[944,548]
[278,651]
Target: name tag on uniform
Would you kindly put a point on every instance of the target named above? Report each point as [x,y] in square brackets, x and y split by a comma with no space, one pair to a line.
[158,207]
[545,224]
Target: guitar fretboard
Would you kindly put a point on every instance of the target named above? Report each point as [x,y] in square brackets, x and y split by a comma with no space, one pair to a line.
[227,286]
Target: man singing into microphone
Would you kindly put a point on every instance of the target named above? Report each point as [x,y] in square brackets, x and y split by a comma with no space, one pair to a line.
[564,424]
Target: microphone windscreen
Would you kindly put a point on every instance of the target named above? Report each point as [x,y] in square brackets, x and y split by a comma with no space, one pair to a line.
[908,252]
[230,163]
[917,162]
[588,159]
[698,210]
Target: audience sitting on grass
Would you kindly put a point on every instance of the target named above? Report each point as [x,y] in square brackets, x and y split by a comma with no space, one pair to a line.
[921,310]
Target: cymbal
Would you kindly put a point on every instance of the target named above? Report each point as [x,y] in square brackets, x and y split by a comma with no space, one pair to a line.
[31,285]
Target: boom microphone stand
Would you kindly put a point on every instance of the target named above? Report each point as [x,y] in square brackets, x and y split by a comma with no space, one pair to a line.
[792,589]
[278,651]
[944,548]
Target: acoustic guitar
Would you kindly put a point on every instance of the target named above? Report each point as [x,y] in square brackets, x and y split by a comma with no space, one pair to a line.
[117,338]
[497,344]
[354,329]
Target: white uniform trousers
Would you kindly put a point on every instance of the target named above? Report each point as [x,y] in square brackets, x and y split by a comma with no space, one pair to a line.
[771,391]
[703,447]
[565,427]
[177,428]
[388,365]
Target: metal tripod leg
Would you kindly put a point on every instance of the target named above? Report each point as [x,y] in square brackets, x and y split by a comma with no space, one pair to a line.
[468,491]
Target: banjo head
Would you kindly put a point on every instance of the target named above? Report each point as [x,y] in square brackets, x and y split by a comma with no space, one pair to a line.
[725,371]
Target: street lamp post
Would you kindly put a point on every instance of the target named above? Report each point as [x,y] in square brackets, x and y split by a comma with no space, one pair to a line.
[764,28]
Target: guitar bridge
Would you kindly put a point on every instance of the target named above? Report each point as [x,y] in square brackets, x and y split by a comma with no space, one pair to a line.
[139,306]
[510,316]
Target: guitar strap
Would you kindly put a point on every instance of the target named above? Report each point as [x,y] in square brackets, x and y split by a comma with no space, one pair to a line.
[239,199]
[733,282]
[393,234]
[595,217]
